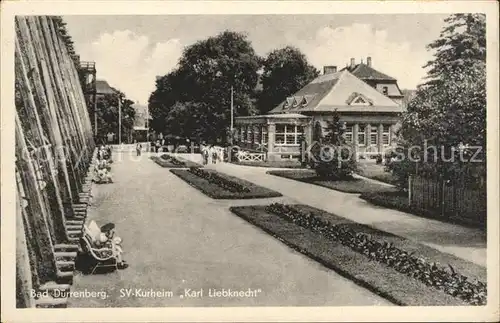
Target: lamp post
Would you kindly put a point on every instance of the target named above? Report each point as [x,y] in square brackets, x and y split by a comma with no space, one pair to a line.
[119,120]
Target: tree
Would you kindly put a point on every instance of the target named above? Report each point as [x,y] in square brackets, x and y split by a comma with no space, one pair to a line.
[331,157]
[462,43]
[286,71]
[446,119]
[107,116]
[207,71]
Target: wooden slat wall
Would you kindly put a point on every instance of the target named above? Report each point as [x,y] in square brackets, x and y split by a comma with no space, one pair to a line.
[54,145]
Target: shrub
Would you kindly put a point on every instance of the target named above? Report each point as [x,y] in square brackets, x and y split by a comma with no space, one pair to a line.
[431,274]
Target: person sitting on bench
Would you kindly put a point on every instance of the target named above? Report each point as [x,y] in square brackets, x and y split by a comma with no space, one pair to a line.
[107,238]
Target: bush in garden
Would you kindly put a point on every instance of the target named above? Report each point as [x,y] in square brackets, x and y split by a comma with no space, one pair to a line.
[431,274]
[331,157]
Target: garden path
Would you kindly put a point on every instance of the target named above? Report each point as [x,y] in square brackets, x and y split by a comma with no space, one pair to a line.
[466,243]
[175,237]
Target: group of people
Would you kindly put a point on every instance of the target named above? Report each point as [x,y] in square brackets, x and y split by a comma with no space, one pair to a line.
[103,167]
[212,154]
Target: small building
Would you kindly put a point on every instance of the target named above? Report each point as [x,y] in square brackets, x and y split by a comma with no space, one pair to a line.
[368,102]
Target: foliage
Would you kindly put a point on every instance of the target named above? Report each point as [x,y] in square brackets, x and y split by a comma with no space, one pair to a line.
[431,274]
[285,71]
[446,120]
[331,157]
[196,97]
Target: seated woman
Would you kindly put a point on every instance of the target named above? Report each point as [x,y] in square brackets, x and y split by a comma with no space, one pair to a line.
[107,239]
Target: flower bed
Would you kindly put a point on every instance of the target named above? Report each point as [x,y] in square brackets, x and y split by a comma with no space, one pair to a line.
[222,186]
[173,160]
[221,181]
[354,185]
[431,274]
[169,161]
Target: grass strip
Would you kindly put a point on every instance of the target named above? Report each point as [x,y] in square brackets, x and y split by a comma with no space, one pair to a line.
[386,282]
[167,164]
[354,185]
[215,191]
[399,201]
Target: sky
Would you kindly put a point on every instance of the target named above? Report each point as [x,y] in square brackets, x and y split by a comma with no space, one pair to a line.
[130,51]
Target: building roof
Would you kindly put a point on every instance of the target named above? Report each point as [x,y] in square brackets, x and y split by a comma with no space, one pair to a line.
[365,72]
[276,116]
[102,87]
[340,91]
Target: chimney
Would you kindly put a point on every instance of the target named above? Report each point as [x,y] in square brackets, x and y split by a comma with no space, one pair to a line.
[369,61]
[329,69]
[352,62]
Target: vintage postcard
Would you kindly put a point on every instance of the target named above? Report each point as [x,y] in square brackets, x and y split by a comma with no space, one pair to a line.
[249,161]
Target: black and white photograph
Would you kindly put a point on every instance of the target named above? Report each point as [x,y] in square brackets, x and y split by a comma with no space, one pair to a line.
[336,158]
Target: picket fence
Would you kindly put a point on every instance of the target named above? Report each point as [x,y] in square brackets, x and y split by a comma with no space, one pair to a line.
[448,199]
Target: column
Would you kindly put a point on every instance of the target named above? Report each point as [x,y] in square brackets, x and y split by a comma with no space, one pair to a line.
[380,136]
[271,129]
[355,143]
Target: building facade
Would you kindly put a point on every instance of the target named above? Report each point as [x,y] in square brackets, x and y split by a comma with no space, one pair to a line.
[368,102]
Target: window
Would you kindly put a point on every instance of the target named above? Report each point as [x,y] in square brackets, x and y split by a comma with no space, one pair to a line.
[361,135]
[256,134]
[243,134]
[348,134]
[288,134]
[386,135]
[249,134]
[373,135]
[264,135]
[385,90]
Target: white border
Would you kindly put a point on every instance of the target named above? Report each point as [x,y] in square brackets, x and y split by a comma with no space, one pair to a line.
[249,314]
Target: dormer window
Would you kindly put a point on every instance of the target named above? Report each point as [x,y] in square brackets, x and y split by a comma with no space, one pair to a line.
[385,90]
[358,99]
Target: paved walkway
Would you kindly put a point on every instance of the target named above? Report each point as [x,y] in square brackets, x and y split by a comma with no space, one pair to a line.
[463,242]
[176,238]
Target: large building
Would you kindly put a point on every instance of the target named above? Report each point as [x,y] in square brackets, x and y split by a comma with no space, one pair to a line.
[368,101]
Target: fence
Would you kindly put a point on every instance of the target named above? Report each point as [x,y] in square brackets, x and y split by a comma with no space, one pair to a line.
[54,147]
[453,200]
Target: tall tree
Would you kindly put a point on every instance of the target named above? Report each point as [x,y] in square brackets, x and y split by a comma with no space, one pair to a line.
[207,71]
[447,117]
[107,116]
[285,71]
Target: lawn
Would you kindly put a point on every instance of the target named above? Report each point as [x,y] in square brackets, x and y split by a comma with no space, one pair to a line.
[272,164]
[398,200]
[399,287]
[354,185]
[372,170]
[214,190]
[167,163]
